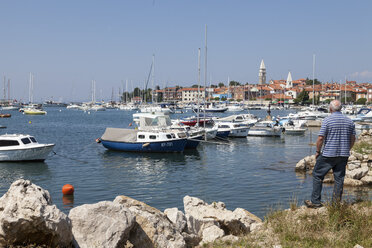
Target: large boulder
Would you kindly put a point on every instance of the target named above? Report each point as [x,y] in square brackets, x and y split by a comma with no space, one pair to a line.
[152,228]
[357,173]
[104,224]
[367,180]
[177,217]
[27,216]
[201,216]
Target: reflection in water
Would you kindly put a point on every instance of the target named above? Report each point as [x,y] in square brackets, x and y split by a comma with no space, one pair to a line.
[11,171]
[124,159]
[68,201]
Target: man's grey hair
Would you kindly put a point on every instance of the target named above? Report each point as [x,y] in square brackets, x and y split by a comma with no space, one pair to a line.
[335,105]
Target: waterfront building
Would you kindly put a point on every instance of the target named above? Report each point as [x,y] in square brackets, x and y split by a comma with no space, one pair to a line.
[191,94]
[262,73]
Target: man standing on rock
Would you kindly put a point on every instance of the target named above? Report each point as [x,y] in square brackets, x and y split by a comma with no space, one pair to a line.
[337,136]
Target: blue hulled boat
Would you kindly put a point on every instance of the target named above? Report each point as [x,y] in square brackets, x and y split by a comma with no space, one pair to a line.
[131,140]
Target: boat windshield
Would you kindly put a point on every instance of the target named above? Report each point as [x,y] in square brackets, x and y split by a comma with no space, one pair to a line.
[33,139]
[26,141]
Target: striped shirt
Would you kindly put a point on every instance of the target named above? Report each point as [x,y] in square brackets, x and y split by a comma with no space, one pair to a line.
[337,130]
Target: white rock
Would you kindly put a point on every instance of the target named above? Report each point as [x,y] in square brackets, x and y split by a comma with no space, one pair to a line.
[351,157]
[365,157]
[104,224]
[352,182]
[301,165]
[27,216]
[354,165]
[177,218]
[358,246]
[367,180]
[201,215]
[212,233]
[230,238]
[357,173]
[153,228]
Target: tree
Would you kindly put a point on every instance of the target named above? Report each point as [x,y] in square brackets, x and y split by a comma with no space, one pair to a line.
[194,86]
[223,98]
[302,97]
[221,85]
[136,92]
[213,86]
[310,81]
[348,100]
[361,101]
[234,83]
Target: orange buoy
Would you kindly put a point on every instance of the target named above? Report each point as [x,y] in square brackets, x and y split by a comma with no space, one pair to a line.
[68,189]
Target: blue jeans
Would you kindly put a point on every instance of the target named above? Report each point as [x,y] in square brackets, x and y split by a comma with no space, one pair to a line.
[322,166]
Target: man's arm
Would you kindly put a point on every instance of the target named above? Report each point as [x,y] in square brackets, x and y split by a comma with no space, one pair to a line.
[352,141]
[319,144]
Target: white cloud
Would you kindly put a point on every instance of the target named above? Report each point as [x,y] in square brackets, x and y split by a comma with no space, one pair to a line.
[364,74]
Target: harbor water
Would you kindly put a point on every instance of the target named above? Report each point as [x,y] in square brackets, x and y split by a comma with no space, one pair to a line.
[253,173]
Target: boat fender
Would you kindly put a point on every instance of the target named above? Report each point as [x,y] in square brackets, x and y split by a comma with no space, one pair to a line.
[98,140]
[145,145]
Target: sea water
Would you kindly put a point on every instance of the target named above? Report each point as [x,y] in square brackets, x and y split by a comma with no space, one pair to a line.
[254,173]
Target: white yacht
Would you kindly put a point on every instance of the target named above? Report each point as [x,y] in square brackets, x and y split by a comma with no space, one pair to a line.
[265,128]
[236,129]
[22,147]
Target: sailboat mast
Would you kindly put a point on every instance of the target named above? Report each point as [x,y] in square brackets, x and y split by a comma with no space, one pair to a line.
[4,88]
[29,89]
[198,108]
[345,90]
[8,90]
[205,74]
[313,78]
[153,78]
[126,91]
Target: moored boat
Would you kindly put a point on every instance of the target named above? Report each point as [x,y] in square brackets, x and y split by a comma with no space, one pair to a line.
[34,111]
[22,147]
[265,128]
[131,140]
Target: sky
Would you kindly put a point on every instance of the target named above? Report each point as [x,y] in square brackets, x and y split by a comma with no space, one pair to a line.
[67,44]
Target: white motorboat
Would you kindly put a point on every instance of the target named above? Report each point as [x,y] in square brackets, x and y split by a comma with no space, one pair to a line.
[72,106]
[242,118]
[22,147]
[156,109]
[34,111]
[294,130]
[235,108]
[10,107]
[265,128]
[128,107]
[236,129]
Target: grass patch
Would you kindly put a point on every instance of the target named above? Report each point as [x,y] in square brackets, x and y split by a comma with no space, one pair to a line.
[362,147]
[336,225]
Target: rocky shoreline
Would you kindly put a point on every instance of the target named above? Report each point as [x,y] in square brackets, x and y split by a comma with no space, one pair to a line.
[359,166]
[28,216]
